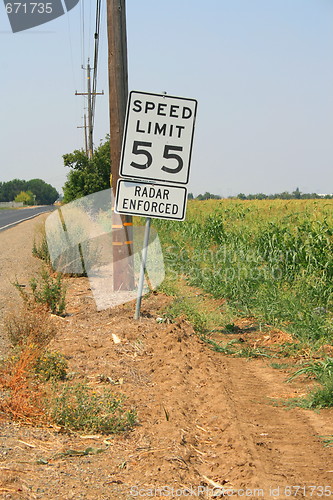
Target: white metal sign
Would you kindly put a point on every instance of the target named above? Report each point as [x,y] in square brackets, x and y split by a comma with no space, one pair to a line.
[151,200]
[158,137]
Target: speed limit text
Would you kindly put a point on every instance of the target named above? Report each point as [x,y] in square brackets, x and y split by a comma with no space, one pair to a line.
[161,109]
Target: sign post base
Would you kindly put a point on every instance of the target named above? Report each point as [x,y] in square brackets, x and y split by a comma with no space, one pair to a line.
[143,268]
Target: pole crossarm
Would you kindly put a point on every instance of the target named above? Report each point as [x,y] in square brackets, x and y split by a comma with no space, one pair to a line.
[91,93]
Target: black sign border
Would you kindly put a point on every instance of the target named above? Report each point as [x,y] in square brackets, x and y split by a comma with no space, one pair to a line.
[134,181]
[125,137]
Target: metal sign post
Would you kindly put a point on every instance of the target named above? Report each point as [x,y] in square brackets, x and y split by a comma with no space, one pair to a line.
[143,268]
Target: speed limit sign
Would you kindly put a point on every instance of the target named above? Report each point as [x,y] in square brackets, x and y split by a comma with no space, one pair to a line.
[158,137]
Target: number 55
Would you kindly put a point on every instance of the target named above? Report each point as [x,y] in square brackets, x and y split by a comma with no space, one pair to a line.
[138,149]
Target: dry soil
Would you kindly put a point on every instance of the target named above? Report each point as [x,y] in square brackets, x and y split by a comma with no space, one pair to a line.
[205,421]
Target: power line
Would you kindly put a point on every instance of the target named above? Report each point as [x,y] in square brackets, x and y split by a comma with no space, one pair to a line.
[96,51]
[82,31]
[92,82]
[90,27]
[82,37]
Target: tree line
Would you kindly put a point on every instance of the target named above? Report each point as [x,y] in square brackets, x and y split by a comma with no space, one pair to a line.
[285,195]
[32,192]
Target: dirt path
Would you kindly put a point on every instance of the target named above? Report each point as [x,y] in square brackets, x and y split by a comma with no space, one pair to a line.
[204,418]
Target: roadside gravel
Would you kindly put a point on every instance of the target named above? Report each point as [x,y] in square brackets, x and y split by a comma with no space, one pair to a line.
[15,242]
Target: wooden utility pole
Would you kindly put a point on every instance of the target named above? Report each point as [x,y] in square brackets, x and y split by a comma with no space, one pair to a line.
[89,95]
[122,230]
[90,126]
[85,134]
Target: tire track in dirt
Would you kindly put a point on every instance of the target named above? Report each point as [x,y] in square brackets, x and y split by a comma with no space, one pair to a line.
[283,443]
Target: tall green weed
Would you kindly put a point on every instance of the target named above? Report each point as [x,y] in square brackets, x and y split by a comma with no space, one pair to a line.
[270,258]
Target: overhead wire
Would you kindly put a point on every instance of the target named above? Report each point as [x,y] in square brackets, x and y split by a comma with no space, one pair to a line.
[96,53]
[85,47]
[83,51]
[71,50]
[82,32]
[90,27]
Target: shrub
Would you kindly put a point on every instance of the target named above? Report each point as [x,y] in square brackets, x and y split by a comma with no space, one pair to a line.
[46,290]
[51,366]
[22,399]
[78,407]
[40,247]
[30,327]
[322,397]
[49,291]
[321,370]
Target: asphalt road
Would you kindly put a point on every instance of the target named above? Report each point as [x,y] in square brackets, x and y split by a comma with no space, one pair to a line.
[9,218]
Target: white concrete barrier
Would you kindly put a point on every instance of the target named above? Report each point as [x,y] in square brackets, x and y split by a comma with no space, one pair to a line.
[11,204]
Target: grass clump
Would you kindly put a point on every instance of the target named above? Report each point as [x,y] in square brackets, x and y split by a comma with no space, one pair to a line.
[280,366]
[50,291]
[29,331]
[40,247]
[227,348]
[30,327]
[47,290]
[51,365]
[182,306]
[79,407]
[322,371]
[322,397]
[22,398]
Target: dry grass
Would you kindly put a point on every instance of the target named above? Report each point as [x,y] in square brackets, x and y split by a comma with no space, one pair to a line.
[21,396]
[30,326]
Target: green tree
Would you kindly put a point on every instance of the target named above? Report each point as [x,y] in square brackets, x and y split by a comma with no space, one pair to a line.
[87,176]
[26,196]
[208,196]
[45,193]
[297,194]
[10,189]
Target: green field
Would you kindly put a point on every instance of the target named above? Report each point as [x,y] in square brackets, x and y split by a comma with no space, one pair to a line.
[272,259]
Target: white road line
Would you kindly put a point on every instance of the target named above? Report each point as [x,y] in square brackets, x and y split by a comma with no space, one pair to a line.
[21,220]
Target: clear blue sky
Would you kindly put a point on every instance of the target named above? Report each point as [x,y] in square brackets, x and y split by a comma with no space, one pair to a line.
[261,71]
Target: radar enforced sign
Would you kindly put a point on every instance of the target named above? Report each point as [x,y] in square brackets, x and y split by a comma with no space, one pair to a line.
[156,156]
[151,200]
